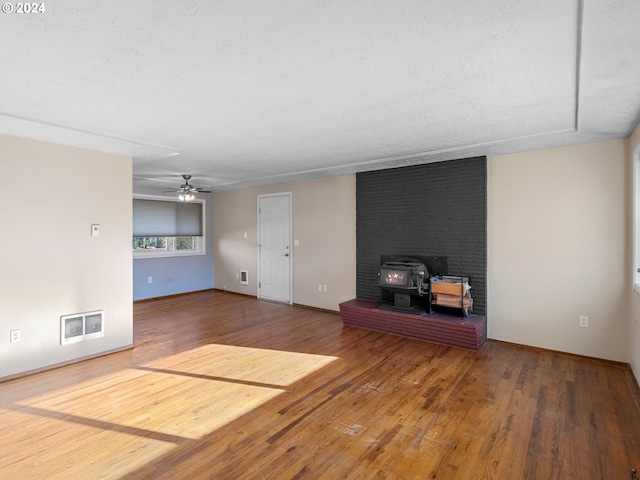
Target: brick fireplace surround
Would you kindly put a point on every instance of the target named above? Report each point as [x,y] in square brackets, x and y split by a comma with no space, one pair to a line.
[469,332]
[430,209]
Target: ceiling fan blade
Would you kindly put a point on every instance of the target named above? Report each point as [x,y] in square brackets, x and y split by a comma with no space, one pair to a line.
[187,187]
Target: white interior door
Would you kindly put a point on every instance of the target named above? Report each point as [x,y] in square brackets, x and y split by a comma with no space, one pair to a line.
[274,242]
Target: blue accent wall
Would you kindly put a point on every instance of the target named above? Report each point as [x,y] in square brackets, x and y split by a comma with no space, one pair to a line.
[173,275]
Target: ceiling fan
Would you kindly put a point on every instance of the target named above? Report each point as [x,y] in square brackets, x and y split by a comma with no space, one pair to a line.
[187,191]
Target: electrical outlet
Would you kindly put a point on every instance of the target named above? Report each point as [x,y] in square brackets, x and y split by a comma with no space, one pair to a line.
[149,279]
[319,287]
[584,321]
[324,288]
[15,336]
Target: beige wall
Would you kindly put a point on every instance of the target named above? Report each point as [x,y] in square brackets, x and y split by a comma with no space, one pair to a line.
[559,247]
[323,222]
[50,264]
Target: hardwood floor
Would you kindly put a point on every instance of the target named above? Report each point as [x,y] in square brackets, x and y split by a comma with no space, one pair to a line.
[223,386]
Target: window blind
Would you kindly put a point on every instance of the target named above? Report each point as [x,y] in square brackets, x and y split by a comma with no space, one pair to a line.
[158,218]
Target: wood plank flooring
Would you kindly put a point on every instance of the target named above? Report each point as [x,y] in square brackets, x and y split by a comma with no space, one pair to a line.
[224,386]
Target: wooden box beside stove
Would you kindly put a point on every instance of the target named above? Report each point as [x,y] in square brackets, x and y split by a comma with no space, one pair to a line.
[453,292]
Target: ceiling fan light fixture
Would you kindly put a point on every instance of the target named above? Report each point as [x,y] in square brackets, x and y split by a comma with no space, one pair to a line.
[186,197]
[186,192]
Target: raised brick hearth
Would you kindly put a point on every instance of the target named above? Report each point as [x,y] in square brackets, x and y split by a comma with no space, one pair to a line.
[468,332]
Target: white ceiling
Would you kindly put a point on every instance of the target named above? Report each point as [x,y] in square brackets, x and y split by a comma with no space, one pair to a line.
[243,93]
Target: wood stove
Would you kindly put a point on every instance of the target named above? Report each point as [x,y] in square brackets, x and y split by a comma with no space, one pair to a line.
[404,281]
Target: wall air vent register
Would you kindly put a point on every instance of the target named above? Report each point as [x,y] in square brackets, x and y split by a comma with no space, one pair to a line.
[80,326]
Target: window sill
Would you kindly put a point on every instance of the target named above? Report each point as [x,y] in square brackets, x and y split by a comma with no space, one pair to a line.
[164,254]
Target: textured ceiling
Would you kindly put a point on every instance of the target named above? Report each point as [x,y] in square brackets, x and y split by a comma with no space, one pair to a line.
[244,93]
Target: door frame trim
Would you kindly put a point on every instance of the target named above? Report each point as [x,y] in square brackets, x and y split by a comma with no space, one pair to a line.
[290,196]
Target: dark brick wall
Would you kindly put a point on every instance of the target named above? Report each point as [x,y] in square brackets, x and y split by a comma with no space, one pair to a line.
[432,209]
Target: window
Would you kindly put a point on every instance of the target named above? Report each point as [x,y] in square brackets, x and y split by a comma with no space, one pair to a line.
[164,227]
[636,218]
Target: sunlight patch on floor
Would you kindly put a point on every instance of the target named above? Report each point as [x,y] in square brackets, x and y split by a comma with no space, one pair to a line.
[146,410]
[247,364]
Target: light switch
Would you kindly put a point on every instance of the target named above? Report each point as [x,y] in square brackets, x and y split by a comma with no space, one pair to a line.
[95,230]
